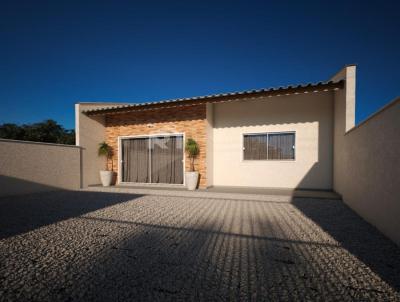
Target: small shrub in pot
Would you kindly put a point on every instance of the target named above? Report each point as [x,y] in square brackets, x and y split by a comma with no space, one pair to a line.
[192,177]
[106,175]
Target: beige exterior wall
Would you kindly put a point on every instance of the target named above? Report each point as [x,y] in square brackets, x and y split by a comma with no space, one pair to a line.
[366,166]
[309,115]
[90,132]
[368,173]
[29,167]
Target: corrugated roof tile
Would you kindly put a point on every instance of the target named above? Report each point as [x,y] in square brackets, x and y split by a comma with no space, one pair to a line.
[267,90]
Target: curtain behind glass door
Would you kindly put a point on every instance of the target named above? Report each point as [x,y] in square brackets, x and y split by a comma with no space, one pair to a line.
[167,159]
[135,156]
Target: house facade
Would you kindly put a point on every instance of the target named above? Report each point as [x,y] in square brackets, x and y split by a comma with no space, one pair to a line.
[286,137]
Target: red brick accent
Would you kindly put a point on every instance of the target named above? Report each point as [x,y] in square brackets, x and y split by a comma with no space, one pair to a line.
[190,120]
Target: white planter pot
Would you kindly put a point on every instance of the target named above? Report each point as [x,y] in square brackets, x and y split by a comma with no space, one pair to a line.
[191,180]
[106,178]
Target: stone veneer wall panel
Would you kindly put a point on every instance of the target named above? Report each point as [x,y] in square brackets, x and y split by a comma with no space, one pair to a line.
[190,120]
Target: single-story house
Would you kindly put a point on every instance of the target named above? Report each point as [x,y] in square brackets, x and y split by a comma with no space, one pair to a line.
[284,137]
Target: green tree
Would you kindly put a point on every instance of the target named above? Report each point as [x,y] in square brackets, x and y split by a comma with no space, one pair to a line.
[12,131]
[68,137]
[48,131]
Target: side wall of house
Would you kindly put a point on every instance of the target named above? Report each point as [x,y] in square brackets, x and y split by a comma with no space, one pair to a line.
[90,131]
[189,120]
[369,174]
[309,115]
[344,120]
[30,167]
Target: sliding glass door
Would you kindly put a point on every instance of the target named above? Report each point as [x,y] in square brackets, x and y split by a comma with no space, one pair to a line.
[135,160]
[155,159]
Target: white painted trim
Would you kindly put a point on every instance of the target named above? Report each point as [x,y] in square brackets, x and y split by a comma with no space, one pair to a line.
[77,121]
[119,160]
[120,138]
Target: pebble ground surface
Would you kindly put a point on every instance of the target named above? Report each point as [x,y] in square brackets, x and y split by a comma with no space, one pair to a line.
[170,246]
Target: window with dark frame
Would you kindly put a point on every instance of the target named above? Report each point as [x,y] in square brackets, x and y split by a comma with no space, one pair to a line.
[269,146]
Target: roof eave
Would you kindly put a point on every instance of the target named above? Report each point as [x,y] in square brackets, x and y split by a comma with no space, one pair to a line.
[281,91]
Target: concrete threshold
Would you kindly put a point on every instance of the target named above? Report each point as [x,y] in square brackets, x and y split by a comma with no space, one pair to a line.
[220,192]
[306,193]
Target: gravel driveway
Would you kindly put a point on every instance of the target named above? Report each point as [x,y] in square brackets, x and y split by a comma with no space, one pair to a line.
[167,246]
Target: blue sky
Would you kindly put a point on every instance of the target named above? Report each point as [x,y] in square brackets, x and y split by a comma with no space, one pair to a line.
[55,53]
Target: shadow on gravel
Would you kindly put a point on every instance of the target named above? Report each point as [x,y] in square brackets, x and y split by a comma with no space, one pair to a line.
[355,235]
[229,252]
[182,249]
[23,213]
[214,261]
